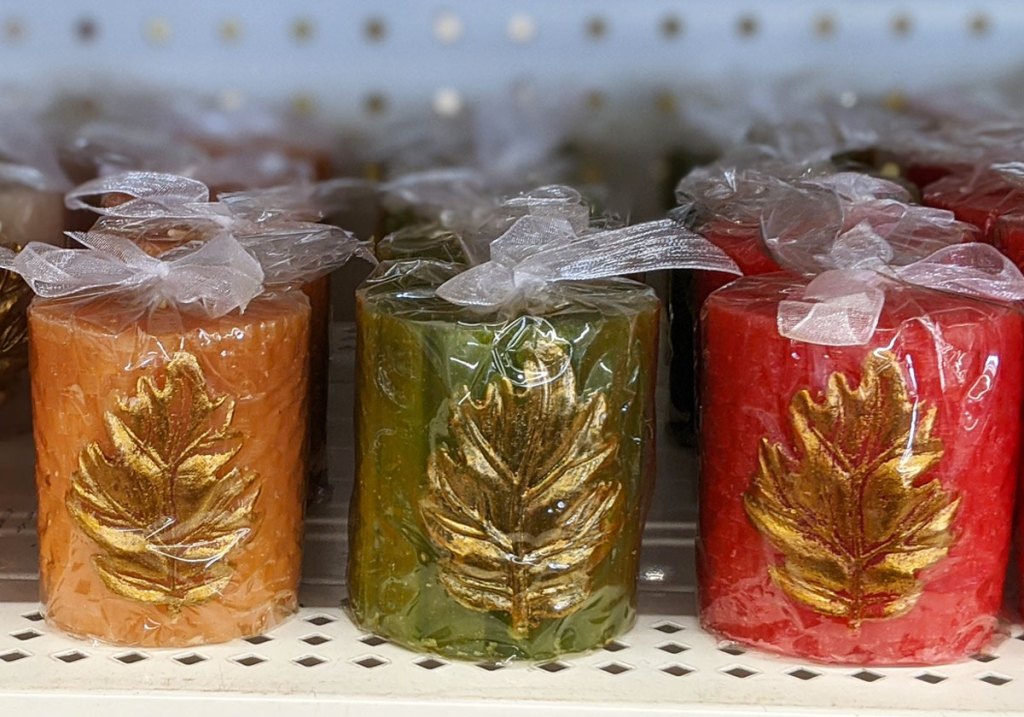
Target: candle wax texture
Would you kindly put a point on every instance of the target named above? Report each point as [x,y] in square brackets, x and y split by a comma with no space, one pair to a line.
[170,461]
[504,466]
[855,502]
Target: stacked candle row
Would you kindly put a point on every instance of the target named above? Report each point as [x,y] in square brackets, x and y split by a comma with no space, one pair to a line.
[861,419]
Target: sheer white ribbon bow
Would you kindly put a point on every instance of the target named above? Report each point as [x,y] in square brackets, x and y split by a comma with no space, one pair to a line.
[214,278]
[538,251]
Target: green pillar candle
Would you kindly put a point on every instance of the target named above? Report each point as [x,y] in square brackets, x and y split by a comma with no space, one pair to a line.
[504,466]
[422,240]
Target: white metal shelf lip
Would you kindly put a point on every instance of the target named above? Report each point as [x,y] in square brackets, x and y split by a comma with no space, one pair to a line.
[665,662]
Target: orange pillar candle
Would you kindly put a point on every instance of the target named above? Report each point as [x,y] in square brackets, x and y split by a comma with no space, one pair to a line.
[170,466]
[171,439]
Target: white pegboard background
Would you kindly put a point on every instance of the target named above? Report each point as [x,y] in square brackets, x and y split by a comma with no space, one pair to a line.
[362,60]
[319,663]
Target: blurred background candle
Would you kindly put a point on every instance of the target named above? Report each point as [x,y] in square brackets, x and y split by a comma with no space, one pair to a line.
[856,501]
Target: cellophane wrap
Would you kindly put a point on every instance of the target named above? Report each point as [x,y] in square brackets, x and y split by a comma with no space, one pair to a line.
[229,147]
[856,500]
[171,463]
[504,465]
[171,416]
[980,196]
[161,212]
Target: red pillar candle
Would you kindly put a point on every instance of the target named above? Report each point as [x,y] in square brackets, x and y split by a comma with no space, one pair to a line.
[978,198]
[856,503]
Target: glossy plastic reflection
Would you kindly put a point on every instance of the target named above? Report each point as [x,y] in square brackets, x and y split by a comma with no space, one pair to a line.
[503,466]
[171,456]
[856,502]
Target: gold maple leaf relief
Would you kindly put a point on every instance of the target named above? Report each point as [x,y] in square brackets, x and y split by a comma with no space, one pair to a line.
[515,506]
[851,510]
[15,296]
[164,505]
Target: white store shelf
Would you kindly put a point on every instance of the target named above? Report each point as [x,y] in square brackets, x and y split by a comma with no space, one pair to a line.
[319,663]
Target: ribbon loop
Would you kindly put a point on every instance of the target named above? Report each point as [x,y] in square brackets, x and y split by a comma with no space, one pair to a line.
[537,251]
[215,277]
[151,195]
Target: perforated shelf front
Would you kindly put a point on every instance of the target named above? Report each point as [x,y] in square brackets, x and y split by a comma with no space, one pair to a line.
[318,662]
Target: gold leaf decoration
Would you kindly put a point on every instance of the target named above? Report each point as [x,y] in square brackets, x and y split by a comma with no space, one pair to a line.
[15,296]
[164,505]
[851,509]
[514,506]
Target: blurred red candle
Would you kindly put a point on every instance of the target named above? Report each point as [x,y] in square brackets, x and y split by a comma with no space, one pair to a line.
[976,198]
[856,501]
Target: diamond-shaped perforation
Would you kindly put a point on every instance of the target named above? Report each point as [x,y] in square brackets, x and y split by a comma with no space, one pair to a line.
[259,640]
[553,667]
[13,655]
[490,666]
[867,676]
[192,658]
[740,672]
[310,661]
[315,640]
[983,658]
[996,680]
[430,663]
[373,640]
[34,616]
[615,668]
[931,678]
[677,670]
[71,656]
[321,620]
[672,648]
[24,635]
[130,658]
[733,649]
[615,646]
[249,660]
[370,662]
[802,673]
[669,628]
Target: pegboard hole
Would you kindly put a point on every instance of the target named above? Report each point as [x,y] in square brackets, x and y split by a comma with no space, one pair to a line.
[375,104]
[375,29]
[596,100]
[666,102]
[302,30]
[304,104]
[521,29]
[615,668]
[677,670]
[86,30]
[448,28]
[825,26]
[672,27]
[748,26]
[979,25]
[902,25]
[14,30]
[597,28]
[158,31]
[230,31]
[310,661]
[447,102]
[802,673]
[553,667]
[250,660]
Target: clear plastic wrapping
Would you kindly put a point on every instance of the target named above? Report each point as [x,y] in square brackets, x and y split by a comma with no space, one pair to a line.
[504,465]
[856,500]
[978,196]
[171,465]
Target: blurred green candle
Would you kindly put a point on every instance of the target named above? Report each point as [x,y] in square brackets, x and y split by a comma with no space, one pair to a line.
[504,465]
